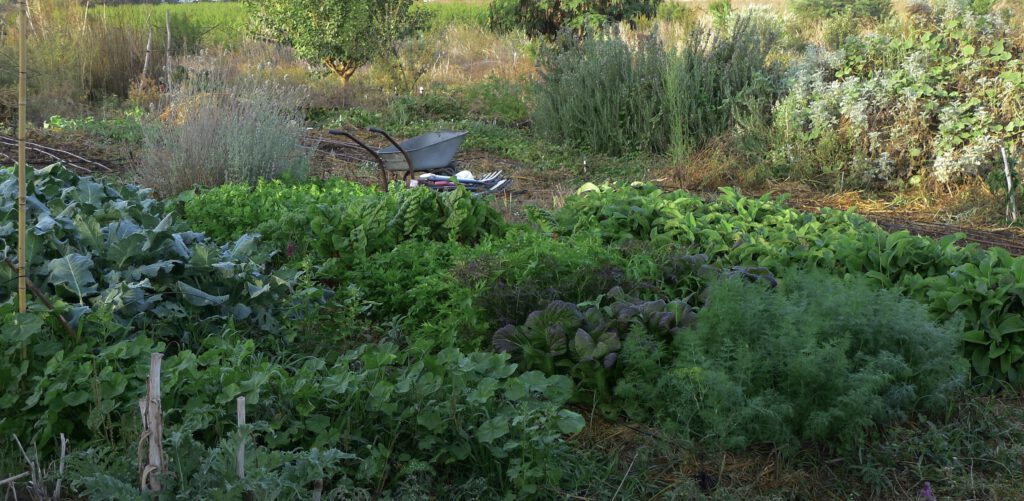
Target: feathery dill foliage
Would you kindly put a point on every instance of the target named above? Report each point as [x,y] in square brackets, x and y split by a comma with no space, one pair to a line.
[603,95]
[818,360]
[614,98]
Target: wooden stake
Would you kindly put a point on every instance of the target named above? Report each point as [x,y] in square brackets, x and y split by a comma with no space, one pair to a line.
[22,104]
[154,428]
[240,469]
[318,489]
[167,54]
[60,469]
[149,50]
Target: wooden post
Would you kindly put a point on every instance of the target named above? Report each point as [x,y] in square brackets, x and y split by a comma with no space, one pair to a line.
[22,104]
[153,423]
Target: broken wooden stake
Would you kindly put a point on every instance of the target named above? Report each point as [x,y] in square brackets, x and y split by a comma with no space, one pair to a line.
[153,428]
[241,438]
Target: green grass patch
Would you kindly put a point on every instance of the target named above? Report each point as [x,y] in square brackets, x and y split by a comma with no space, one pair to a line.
[197,25]
[447,13]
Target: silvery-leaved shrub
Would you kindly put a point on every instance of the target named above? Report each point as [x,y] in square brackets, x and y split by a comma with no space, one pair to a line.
[220,128]
[937,95]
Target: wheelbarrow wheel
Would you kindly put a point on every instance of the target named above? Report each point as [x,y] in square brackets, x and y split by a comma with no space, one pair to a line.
[450,170]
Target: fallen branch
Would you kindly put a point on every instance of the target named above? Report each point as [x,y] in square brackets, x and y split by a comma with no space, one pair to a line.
[53,153]
[46,302]
[14,478]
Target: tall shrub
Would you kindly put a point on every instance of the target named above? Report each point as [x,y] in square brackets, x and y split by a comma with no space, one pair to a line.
[603,95]
[612,97]
[716,74]
[215,131]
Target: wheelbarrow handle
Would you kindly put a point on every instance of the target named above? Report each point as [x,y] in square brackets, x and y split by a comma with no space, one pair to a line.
[371,151]
[408,160]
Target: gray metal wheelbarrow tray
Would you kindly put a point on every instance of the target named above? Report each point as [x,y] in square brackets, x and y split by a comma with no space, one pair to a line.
[433,151]
[427,152]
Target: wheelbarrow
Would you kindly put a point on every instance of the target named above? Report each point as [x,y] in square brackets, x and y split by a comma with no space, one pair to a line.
[432,152]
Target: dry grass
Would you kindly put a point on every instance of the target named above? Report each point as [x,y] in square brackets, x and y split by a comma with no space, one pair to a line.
[457,55]
[74,58]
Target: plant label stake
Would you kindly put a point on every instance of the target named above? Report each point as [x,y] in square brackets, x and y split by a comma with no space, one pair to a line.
[1011,207]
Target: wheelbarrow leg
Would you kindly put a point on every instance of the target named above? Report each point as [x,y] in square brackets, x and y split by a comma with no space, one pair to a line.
[408,161]
[373,152]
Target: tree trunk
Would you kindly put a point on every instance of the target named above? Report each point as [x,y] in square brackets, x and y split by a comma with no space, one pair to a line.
[343,69]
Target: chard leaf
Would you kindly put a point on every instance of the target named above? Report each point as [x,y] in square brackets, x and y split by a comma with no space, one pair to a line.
[583,344]
[503,339]
[570,422]
[244,247]
[164,224]
[45,224]
[89,232]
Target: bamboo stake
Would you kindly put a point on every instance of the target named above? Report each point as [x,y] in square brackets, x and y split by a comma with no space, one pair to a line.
[85,17]
[60,469]
[22,104]
[28,16]
[240,467]
[318,489]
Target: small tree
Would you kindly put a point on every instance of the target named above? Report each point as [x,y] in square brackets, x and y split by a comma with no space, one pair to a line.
[340,34]
[548,17]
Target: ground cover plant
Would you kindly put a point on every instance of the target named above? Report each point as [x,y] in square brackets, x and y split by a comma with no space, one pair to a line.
[982,286]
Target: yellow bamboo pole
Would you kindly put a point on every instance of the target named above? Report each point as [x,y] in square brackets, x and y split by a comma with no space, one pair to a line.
[22,103]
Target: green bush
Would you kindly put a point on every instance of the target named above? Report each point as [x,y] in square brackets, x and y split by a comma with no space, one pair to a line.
[602,95]
[104,248]
[451,415]
[818,360]
[823,9]
[676,13]
[983,286]
[611,98]
[717,76]
[549,17]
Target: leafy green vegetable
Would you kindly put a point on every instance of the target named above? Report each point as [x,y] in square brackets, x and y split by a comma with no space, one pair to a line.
[986,287]
[100,244]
